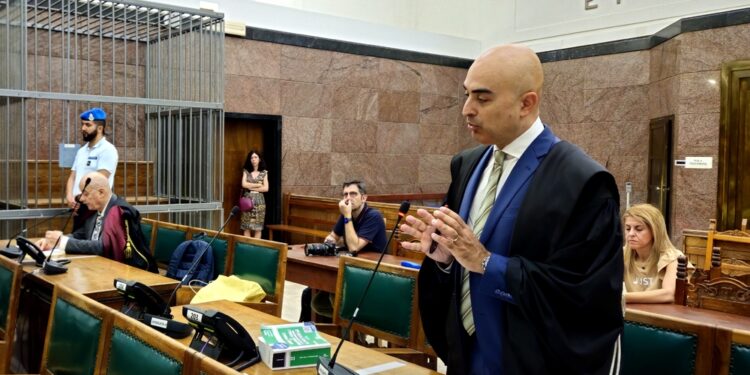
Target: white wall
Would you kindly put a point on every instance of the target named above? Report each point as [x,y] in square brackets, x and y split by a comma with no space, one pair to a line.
[463,28]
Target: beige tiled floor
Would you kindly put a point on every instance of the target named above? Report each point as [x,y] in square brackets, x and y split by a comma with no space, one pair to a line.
[290,309]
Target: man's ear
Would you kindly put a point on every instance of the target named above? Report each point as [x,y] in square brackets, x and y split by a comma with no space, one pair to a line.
[529,102]
[364,197]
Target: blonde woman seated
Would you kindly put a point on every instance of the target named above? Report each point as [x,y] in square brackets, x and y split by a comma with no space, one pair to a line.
[650,257]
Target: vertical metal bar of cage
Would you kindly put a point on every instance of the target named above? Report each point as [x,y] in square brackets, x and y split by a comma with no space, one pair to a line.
[49,101]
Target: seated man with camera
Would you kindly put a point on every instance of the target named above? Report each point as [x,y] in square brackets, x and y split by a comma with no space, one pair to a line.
[359,228]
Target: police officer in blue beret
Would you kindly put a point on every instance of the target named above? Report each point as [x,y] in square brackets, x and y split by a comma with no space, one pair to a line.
[97,155]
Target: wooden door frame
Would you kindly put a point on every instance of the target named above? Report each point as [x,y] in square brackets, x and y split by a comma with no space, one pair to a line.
[730,131]
[272,155]
[668,122]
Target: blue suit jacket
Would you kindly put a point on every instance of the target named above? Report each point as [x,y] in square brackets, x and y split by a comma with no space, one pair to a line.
[510,225]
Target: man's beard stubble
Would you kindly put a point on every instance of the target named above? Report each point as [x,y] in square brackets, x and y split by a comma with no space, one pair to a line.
[88,137]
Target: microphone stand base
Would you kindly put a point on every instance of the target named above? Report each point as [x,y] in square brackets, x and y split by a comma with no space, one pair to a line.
[323,368]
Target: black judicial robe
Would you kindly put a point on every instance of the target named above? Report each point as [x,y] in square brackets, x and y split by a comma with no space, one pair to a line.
[565,272]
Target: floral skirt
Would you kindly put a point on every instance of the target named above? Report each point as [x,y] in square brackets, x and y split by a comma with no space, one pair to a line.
[254,218]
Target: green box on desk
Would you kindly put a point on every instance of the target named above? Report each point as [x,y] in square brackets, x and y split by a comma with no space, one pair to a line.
[285,346]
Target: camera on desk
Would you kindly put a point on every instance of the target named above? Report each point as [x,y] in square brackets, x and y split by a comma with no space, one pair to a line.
[323,249]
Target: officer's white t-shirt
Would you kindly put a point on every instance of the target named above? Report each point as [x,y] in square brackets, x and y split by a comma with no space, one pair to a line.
[102,156]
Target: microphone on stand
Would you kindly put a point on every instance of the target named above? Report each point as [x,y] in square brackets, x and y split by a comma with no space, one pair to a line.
[51,267]
[15,251]
[326,366]
[163,321]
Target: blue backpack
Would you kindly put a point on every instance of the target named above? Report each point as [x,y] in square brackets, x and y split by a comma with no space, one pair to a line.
[183,257]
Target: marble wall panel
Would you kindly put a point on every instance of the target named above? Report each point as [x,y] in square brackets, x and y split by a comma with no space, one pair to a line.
[663,97]
[562,94]
[616,104]
[695,130]
[398,169]
[398,106]
[397,75]
[438,139]
[305,99]
[436,79]
[306,134]
[354,103]
[306,65]
[708,49]
[699,92]
[693,198]
[439,109]
[306,168]
[664,61]
[619,70]
[84,48]
[252,58]
[252,95]
[434,169]
[374,169]
[354,136]
[631,169]
[352,70]
[396,138]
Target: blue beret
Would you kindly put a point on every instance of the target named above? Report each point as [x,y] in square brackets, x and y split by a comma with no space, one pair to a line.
[94,114]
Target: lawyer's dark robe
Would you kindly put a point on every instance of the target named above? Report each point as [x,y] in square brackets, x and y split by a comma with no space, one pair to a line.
[560,311]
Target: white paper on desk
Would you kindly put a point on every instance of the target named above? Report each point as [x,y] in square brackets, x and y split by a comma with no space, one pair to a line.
[58,252]
[380,368]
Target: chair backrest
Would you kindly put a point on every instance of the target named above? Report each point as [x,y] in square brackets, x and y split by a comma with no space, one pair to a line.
[147,227]
[134,348]
[389,310]
[220,246]
[263,262]
[10,288]
[653,344]
[76,334]
[739,355]
[166,239]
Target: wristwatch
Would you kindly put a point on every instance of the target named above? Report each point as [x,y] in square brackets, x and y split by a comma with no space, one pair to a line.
[346,220]
[484,263]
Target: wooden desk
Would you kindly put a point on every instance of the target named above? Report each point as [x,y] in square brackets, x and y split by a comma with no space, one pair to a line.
[352,356]
[91,275]
[713,318]
[320,272]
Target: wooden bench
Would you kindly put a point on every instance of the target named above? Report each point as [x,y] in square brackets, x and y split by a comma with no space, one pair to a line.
[310,219]
[734,244]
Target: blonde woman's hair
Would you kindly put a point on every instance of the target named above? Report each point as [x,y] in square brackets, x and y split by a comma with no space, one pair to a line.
[654,220]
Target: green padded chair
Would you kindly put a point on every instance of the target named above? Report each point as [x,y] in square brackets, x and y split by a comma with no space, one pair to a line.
[393,286]
[10,288]
[653,343]
[263,262]
[645,349]
[137,349]
[739,356]
[388,312]
[168,237]
[78,329]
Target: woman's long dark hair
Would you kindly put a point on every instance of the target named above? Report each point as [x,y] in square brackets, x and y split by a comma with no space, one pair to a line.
[249,164]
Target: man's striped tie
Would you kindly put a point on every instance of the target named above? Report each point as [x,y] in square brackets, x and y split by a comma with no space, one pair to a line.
[487,202]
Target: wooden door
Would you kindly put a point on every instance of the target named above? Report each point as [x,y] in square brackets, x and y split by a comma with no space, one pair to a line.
[733,201]
[242,133]
[660,165]
[240,136]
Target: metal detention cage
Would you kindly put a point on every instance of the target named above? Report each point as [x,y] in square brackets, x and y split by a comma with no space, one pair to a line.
[156,70]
